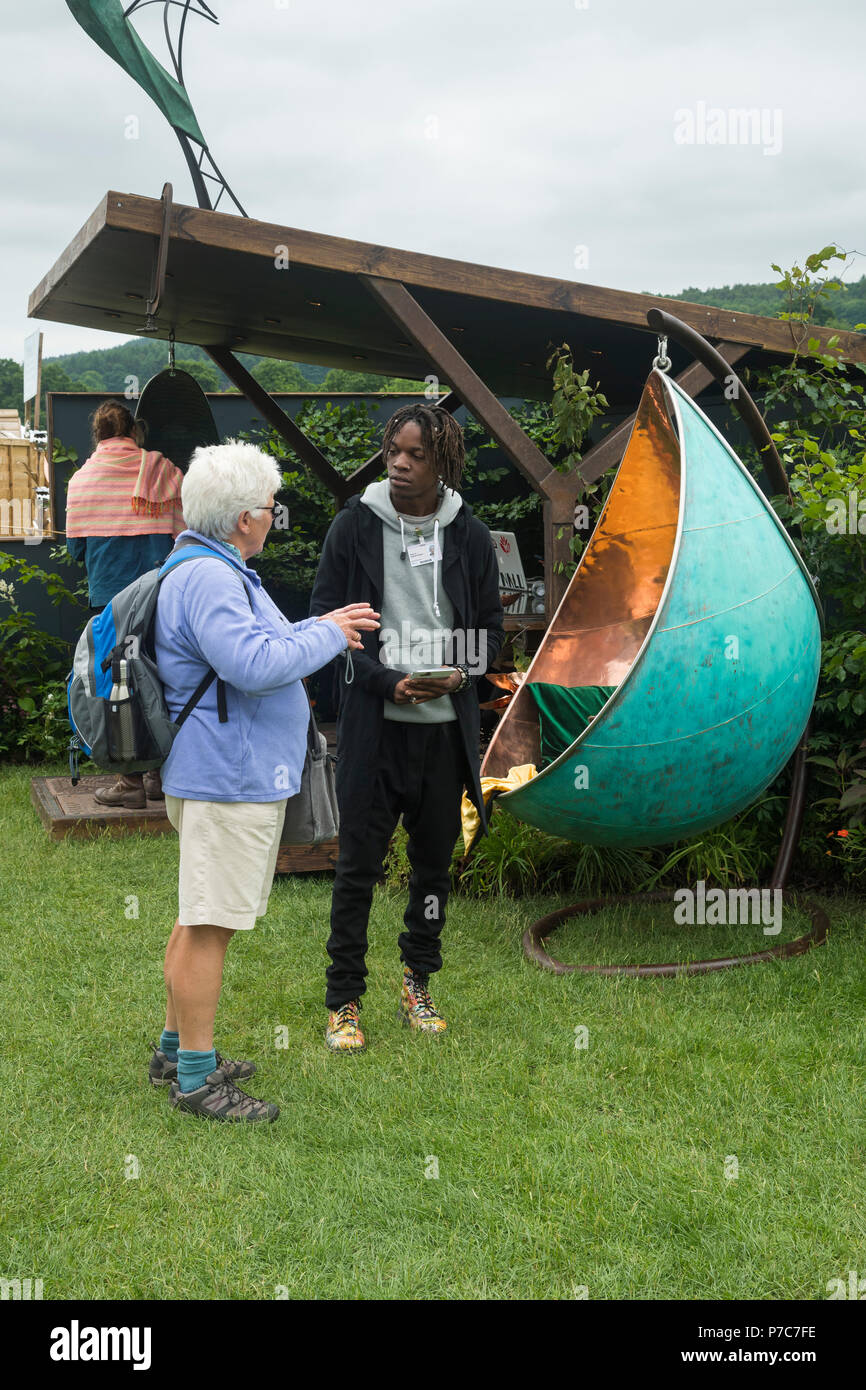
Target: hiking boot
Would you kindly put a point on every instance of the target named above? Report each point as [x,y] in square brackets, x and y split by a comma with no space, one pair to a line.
[416,1007]
[153,785]
[343,1033]
[162,1070]
[221,1099]
[128,791]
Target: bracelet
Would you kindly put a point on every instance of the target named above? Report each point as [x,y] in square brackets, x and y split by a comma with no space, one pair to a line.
[464,679]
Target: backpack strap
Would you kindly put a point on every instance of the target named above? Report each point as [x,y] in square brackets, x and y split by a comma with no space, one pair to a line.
[199,692]
[191,550]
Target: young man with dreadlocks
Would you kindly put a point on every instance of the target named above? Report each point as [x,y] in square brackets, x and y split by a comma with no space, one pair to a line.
[411,547]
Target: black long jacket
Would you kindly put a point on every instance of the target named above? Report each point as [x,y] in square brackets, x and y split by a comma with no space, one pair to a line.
[351,570]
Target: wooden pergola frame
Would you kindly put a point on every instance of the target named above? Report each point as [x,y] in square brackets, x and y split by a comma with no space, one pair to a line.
[89,283]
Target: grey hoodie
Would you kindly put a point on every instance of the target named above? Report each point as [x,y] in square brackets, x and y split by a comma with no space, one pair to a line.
[417,615]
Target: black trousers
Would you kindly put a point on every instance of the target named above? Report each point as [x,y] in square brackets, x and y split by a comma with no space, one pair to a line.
[420,772]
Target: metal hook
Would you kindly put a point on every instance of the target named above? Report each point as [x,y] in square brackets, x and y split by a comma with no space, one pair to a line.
[661,361]
[171,352]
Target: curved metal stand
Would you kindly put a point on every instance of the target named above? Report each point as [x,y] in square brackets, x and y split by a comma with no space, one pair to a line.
[535,936]
[725,375]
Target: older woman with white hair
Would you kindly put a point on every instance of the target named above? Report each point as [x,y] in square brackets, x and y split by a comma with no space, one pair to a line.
[237,757]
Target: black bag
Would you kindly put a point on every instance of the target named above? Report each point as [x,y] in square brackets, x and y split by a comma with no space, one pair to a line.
[312,815]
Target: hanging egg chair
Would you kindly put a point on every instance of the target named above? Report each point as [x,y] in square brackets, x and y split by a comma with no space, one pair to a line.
[177,414]
[678,674]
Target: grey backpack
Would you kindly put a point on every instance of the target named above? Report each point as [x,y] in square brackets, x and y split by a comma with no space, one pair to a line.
[115,652]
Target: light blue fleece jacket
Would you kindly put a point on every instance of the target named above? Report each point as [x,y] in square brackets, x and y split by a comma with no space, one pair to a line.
[204,618]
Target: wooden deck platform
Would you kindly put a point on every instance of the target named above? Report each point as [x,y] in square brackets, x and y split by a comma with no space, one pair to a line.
[74,811]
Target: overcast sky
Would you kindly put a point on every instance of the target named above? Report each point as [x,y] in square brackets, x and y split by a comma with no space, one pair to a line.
[562,137]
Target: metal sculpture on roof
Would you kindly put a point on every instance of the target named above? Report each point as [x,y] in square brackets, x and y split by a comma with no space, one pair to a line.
[108,24]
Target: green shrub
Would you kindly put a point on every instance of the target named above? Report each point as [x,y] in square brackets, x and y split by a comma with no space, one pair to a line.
[33,665]
[740,852]
[818,408]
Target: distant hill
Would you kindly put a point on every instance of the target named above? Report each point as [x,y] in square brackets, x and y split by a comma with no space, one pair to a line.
[109,370]
[106,369]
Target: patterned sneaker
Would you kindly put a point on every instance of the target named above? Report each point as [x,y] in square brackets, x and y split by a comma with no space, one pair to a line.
[221,1099]
[416,1007]
[343,1033]
[162,1070]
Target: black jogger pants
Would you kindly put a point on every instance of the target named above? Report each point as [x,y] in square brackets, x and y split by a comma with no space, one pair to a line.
[420,772]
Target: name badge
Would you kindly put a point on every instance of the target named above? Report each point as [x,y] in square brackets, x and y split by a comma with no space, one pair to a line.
[422,553]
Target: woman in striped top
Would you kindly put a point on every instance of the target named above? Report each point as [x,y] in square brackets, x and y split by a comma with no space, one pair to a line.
[123,512]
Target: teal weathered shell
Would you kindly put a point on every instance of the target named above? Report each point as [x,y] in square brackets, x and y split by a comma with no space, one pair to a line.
[715,698]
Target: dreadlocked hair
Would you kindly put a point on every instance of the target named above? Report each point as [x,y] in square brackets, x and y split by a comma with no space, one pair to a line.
[441,437]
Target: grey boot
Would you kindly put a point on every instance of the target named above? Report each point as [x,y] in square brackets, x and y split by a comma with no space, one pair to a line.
[128,791]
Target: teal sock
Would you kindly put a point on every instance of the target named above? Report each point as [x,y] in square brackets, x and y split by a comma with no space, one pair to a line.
[193,1068]
[169,1043]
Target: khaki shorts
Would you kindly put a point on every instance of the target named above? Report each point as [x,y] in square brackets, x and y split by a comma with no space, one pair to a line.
[228,853]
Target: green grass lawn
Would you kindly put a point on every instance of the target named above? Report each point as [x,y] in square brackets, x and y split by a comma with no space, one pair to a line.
[559,1169]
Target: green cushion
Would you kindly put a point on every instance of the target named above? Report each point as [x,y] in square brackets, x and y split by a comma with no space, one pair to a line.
[564,714]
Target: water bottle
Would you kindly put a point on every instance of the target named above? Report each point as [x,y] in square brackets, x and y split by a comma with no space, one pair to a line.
[121,723]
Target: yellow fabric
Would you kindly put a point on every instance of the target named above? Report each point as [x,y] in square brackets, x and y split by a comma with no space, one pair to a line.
[469,815]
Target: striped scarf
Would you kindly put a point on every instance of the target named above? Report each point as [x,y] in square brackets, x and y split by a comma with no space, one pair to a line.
[123,490]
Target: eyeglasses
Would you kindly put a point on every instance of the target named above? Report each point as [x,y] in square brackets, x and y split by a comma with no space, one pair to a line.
[272,509]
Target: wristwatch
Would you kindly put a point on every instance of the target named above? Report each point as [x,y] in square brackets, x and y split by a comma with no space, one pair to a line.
[464,678]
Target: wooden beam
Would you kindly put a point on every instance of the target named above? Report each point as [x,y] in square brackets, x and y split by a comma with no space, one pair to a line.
[453,368]
[610,450]
[284,424]
[77,246]
[558,527]
[556,488]
[130,212]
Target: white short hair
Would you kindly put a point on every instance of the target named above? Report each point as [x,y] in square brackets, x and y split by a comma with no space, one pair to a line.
[224,480]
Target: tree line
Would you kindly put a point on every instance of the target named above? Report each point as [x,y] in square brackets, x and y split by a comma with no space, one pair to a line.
[109,369]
